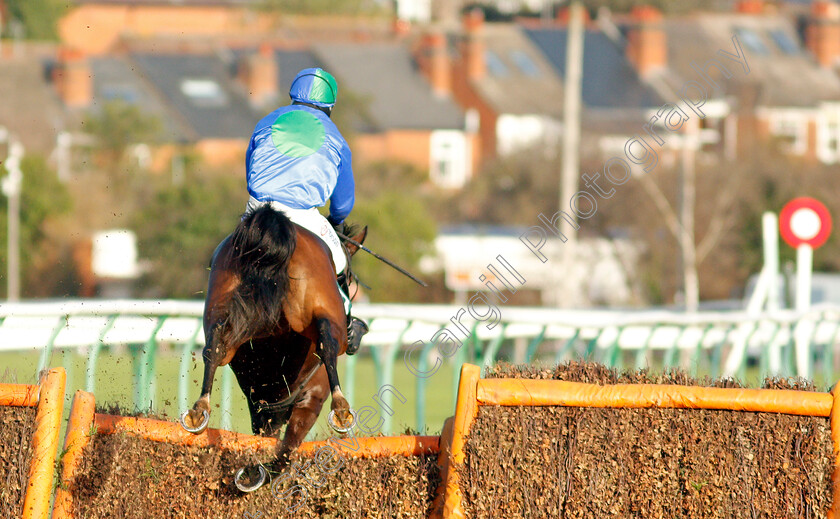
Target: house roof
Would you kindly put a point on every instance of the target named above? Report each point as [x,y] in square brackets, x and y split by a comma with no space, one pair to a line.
[609,80]
[781,72]
[30,109]
[289,63]
[116,79]
[519,79]
[385,75]
[200,90]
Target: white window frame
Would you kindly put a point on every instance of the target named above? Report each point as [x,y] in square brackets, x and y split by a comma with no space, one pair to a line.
[516,133]
[828,128]
[792,123]
[450,148]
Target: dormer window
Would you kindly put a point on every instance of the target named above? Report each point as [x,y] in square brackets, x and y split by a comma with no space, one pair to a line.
[203,92]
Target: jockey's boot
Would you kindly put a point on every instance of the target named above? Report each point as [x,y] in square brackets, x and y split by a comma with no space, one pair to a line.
[356,328]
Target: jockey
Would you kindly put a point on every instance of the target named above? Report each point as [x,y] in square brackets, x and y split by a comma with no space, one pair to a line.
[296,161]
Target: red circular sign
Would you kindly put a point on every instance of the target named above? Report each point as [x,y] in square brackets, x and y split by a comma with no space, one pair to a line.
[805,221]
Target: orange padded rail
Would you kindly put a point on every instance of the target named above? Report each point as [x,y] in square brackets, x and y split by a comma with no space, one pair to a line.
[36,503]
[512,392]
[172,432]
[19,395]
[79,429]
[378,447]
[834,420]
[466,409]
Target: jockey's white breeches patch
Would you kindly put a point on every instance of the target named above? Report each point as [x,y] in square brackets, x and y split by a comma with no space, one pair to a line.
[314,222]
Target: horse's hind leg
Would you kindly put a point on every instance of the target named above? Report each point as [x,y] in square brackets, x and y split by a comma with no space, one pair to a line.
[303,416]
[330,335]
[300,419]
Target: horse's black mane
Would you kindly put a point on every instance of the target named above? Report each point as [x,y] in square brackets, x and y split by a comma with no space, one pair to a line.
[263,244]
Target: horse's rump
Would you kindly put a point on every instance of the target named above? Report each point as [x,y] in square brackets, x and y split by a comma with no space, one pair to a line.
[261,248]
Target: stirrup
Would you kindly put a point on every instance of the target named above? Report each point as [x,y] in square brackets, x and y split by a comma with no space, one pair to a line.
[355,331]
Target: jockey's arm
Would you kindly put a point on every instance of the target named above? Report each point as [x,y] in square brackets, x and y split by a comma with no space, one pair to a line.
[344,195]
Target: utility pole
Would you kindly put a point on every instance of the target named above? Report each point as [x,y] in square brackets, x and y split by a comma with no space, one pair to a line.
[688,195]
[570,173]
[11,186]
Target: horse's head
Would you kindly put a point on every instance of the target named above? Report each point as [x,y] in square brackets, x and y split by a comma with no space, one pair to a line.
[358,237]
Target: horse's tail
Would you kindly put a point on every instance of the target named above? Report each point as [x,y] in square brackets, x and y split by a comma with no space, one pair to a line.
[262,246]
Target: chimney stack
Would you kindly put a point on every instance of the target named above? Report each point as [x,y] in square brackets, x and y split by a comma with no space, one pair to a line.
[258,73]
[400,28]
[473,48]
[646,48]
[749,6]
[433,58]
[73,78]
[562,17]
[822,36]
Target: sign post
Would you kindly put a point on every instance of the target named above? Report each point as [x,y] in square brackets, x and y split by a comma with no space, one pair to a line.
[805,224]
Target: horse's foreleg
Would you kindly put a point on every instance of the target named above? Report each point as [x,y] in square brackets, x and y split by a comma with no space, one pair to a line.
[330,335]
[196,419]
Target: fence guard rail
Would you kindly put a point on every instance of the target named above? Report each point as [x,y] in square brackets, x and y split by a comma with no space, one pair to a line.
[783,342]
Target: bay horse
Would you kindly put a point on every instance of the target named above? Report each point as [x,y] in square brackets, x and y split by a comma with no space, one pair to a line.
[274,313]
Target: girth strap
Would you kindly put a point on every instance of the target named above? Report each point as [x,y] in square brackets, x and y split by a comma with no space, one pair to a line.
[289,401]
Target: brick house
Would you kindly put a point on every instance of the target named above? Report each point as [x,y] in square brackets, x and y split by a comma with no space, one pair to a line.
[497,74]
[97,26]
[406,119]
[211,100]
[789,95]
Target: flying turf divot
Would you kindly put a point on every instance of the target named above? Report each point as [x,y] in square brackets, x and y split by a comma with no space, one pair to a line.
[48,400]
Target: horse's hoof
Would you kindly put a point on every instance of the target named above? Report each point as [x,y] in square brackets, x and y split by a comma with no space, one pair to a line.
[205,421]
[237,480]
[337,427]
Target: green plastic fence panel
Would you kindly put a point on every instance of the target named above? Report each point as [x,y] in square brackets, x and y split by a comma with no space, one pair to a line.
[383,359]
[695,360]
[348,383]
[534,344]
[562,351]
[93,355]
[717,353]
[589,354]
[611,355]
[139,394]
[671,353]
[789,353]
[641,354]
[828,357]
[184,369]
[227,398]
[475,350]
[423,367]
[492,349]
[144,379]
[46,353]
[742,369]
[811,349]
[764,358]
[459,359]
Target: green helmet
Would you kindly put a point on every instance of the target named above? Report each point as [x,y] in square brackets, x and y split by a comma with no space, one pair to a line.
[314,86]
